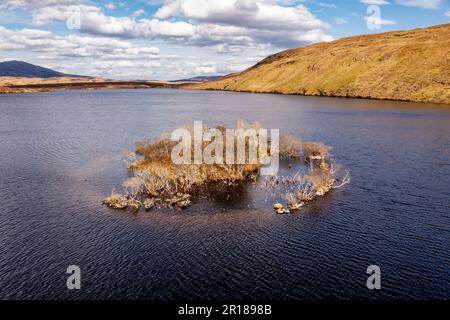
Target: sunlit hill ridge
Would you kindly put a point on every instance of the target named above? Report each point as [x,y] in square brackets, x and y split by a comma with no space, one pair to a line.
[404,65]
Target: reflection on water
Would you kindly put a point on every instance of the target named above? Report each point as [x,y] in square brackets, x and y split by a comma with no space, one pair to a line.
[62,153]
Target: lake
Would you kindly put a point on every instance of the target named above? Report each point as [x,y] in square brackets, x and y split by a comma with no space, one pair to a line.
[62,152]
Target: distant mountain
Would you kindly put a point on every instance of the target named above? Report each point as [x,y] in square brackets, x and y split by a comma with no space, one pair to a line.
[16,68]
[402,65]
[199,79]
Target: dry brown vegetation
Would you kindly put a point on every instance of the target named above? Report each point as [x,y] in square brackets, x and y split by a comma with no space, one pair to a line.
[323,175]
[403,65]
[28,84]
[158,182]
[157,178]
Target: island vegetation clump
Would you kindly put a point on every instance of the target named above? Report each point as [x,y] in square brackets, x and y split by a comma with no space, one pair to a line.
[158,182]
[323,174]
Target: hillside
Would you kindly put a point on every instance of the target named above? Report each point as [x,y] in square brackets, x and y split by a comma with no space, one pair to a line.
[199,79]
[23,69]
[405,65]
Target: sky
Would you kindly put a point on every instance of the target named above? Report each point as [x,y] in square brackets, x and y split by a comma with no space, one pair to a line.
[176,39]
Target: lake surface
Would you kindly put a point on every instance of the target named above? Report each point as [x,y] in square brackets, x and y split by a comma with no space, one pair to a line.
[62,152]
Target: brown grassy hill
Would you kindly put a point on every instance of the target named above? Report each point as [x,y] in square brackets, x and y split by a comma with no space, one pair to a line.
[405,65]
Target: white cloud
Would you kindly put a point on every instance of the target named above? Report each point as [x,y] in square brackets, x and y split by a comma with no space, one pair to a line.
[340,21]
[379,21]
[73,45]
[260,14]
[245,29]
[374,2]
[138,13]
[94,21]
[100,56]
[427,4]
[111,65]
[206,68]
[264,21]
[327,5]
[447,13]
[231,22]
[37,3]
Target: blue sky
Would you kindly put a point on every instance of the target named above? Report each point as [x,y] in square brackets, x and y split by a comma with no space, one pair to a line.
[171,39]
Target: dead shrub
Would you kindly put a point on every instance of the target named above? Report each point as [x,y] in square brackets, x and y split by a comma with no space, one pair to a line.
[315,151]
[290,146]
[116,201]
[158,182]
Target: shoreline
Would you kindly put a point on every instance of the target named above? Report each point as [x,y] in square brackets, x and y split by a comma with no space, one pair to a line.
[409,65]
[117,85]
[85,85]
[187,87]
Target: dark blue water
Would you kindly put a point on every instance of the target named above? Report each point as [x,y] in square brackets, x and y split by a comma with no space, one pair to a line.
[61,153]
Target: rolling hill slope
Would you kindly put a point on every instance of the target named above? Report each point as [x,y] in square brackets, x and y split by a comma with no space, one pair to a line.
[405,65]
[16,68]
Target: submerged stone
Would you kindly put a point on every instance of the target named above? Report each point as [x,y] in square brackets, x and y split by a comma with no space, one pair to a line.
[278,206]
[116,201]
[283,211]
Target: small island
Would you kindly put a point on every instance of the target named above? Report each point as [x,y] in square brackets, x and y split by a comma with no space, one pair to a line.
[159,182]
